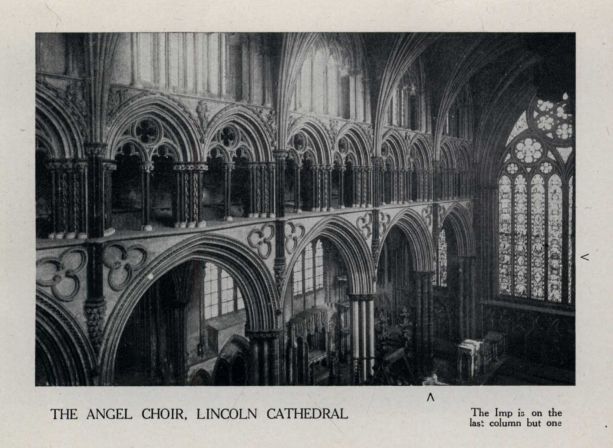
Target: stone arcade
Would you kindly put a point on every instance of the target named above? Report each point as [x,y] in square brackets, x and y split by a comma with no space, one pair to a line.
[291,209]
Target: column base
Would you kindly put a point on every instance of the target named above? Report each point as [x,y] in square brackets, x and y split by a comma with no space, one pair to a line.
[82,236]
[228,219]
[70,236]
[201,224]
[191,225]
[110,231]
[271,215]
[147,228]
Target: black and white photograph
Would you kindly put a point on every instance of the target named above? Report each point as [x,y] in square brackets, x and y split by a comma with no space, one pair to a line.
[328,209]
[271,223]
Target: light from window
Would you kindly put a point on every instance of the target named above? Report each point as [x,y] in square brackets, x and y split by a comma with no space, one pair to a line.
[531,214]
[211,291]
[319,265]
[308,269]
[297,274]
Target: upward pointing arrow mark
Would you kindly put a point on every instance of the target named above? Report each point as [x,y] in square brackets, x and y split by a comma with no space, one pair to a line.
[585,257]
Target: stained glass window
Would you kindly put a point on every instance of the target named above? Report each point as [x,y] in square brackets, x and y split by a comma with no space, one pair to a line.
[532,221]
[554,282]
[571,238]
[442,258]
[520,247]
[537,209]
[504,235]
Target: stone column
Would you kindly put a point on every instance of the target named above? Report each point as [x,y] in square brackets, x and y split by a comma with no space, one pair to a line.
[297,195]
[354,180]
[468,305]
[423,345]
[270,186]
[259,191]
[228,167]
[252,187]
[341,187]
[362,336]
[315,188]
[263,357]
[81,198]
[280,156]
[328,188]
[201,169]
[146,168]
[96,180]
[180,197]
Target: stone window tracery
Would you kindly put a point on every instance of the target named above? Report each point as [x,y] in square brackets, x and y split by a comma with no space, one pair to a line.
[535,226]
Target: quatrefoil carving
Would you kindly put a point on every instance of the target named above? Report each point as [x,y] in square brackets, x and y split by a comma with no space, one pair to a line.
[364,224]
[61,274]
[122,263]
[260,239]
[293,235]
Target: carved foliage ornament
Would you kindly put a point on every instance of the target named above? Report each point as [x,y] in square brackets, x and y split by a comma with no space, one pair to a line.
[364,225]
[426,213]
[122,263]
[293,235]
[384,221]
[260,239]
[61,274]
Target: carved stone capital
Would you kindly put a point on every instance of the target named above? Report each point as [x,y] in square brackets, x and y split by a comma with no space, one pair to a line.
[95,149]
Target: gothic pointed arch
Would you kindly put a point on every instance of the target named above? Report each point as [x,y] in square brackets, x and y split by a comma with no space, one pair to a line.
[460,220]
[394,146]
[309,134]
[176,121]
[415,229]
[249,272]
[420,152]
[63,353]
[59,124]
[352,247]
[246,130]
[359,143]
[405,51]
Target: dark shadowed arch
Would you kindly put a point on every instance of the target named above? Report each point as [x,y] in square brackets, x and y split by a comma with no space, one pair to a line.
[246,268]
[65,351]
[414,228]
[459,219]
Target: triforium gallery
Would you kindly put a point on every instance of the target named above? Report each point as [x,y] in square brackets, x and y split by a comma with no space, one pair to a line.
[305,208]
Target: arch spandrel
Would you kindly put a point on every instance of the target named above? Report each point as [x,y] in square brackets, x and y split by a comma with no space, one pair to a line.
[246,268]
[59,123]
[458,216]
[256,133]
[415,223]
[183,127]
[346,238]
[317,136]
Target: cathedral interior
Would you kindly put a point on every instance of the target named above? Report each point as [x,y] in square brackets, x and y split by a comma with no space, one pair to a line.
[305,209]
